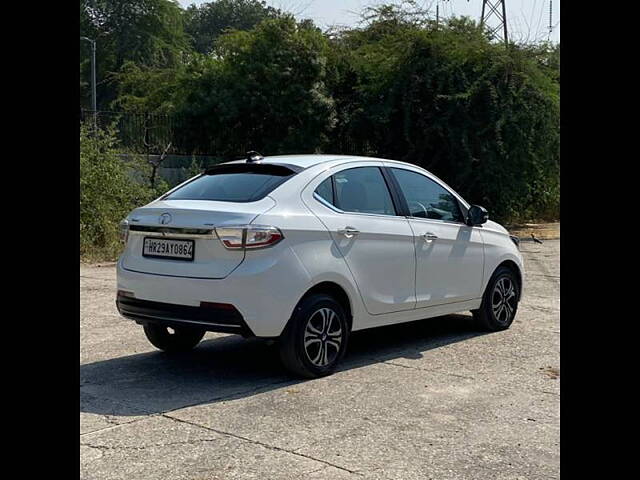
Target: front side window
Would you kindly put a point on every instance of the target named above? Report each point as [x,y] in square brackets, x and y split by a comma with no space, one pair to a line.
[363,190]
[426,198]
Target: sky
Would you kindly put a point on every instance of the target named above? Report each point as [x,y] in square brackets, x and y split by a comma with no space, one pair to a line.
[527,20]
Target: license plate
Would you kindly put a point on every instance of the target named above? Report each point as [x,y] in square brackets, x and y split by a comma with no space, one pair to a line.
[168,248]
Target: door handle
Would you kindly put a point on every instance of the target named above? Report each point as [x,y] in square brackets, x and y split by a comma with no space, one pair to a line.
[348,232]
[429,237]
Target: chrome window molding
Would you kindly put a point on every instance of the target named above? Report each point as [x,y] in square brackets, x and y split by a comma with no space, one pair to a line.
[431,220]
[337,210]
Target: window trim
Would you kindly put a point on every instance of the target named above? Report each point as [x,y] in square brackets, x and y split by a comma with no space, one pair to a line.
[394,186]
[402,210]
[317,196]
[405,204]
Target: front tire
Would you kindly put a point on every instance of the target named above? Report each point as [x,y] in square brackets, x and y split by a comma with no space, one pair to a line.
[173,340]
[315,339]
[499,302]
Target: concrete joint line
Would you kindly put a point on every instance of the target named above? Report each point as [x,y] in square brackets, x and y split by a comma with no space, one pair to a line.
[427,370]
[262,444]
[168,444]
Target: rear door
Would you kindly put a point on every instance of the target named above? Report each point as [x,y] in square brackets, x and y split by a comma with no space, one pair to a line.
[449,254]
[357,208]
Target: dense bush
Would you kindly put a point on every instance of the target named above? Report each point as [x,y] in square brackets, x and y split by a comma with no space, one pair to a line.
[109,189]
[483,117]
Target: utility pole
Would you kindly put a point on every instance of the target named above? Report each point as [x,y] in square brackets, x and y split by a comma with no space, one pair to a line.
[93,78]
[495,8]
[550,19]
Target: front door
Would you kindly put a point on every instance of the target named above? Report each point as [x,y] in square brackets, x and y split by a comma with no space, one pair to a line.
[449,254]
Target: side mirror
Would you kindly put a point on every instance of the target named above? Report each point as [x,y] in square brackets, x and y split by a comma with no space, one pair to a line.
[477,215]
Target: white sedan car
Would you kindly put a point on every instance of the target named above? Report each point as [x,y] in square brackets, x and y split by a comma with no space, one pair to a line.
[306,249]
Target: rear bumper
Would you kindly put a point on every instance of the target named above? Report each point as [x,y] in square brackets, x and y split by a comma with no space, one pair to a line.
[209,318]
[264,290]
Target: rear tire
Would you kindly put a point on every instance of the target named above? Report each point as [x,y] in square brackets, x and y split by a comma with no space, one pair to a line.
[315,339]
[499,302]
[173,340]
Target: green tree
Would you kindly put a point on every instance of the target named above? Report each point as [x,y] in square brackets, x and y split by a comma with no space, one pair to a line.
[146,32]
[481,116]
[206,22]
[261,90]
[148,89]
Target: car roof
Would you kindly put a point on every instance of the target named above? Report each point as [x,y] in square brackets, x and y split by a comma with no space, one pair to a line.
[303,161]
[306,161]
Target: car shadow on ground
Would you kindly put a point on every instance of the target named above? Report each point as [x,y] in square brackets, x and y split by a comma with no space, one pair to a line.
[230,367]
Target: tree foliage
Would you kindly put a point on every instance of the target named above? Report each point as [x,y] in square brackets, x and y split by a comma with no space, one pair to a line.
[206,22]
[482,116]
[148,33]
[262,90]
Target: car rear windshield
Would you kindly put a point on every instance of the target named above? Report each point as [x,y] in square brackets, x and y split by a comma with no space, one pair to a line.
[234,183]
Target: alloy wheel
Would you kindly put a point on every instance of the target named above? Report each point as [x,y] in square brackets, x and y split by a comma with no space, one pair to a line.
[322,337]
[503,300]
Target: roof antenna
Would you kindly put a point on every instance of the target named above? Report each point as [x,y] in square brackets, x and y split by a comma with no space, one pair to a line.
[253,157]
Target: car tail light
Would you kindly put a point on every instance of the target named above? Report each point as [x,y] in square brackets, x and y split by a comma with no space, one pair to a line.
[231,237]
[235,237]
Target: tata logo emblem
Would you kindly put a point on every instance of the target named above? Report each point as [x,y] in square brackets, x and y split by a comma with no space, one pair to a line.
[165,219]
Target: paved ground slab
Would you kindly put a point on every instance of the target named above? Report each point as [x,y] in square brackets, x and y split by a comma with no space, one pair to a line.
[431,399]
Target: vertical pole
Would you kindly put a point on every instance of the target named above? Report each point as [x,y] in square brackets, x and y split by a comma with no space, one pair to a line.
[93,76]
[93,80]
[437,13]
[504,22]
[550,19]
[93,84]
[482,14]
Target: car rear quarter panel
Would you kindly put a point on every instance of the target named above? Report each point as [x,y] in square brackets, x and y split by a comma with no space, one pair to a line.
[312,245]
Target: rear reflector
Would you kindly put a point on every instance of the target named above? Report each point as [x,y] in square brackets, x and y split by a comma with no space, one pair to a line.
[217,306]
[125,293]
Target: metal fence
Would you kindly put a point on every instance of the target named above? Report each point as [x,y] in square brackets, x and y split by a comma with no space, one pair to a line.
[152,133]
[156,134]
[139,132]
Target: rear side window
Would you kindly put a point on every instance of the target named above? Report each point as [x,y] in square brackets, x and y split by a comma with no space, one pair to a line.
[325,190]
[233,183]
[363,190]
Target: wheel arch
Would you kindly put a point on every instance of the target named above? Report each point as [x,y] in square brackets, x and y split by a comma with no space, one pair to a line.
[515,268]
[336,291]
